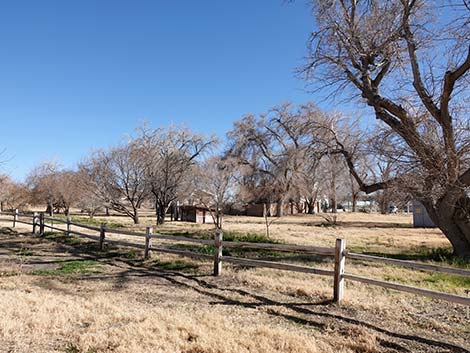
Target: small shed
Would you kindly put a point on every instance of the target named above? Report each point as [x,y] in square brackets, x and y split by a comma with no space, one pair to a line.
[195,214]
[421,217]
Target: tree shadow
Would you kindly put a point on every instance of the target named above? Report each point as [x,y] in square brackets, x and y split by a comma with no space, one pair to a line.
[317,319]
[316,314]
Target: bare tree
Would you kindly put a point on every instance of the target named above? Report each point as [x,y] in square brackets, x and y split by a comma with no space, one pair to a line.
[311,182]
[13,195]
[54,186]
[169,155]
[117,178]
[413,73]
[68,189]
[5,186]
[213,181]
[89,200]
[274,147]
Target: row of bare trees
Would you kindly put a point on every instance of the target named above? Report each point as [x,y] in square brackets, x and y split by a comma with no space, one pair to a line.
[286,154]
[292,153]
[156,166]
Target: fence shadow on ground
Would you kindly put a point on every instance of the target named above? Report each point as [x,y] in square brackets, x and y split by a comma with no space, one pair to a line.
[317,314]
[302,312]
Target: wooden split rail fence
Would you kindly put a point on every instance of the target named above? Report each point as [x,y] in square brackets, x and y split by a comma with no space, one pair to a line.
[339,252]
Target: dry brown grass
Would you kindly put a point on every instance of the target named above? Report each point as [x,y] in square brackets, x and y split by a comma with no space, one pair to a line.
[371,231]
[103,321]
[134,306]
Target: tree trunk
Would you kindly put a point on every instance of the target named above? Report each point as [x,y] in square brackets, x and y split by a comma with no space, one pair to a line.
[106,209]
[354,193]
[136,216]
[161,211]
[383,202]
[280,207]
[311,206]
[334,206]
[454,221]
[218,220]
[354,202]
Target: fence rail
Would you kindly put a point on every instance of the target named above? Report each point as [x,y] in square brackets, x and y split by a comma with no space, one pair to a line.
[404,288]
[408,264]
[339,252]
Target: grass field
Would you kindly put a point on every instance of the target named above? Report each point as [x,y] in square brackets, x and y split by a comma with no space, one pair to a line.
[60,294]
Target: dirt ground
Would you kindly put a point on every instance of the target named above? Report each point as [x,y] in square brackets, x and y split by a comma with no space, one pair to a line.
[60,294]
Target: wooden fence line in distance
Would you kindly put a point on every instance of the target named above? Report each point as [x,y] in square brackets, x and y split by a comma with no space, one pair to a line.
[339,252]
[404,288]
[408,264]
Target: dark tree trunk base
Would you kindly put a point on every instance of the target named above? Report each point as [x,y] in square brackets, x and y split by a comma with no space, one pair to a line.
[454,221]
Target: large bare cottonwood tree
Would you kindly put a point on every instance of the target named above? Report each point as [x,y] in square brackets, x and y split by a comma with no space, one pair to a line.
[274,147]
[411,67]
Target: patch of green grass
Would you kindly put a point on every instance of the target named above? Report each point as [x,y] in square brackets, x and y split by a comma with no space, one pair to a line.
[442,256]
[72,348]
[9,273]
[132,254]
[249,237]
[75,267]
[235,236]
[326,225]
[204,249]
[7,231]
[234,251]
[96,222]
[177,265]
[62,238]
[25,252]
[445,280]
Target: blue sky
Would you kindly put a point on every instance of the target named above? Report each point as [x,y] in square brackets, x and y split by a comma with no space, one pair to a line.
[79,75]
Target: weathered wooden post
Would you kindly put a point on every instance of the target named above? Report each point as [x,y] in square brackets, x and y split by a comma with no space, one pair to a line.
[340,260]
[102,235]
[15,217]
[148,242]
[218,237]
[68,224]
[35,219]
[41,224]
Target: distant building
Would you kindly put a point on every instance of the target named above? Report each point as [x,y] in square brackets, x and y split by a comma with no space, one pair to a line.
[421,217]
[195,214]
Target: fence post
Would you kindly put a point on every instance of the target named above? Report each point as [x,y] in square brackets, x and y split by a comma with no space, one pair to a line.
[218,237]
[35,219]
[340,260]
[41,224]
[148,241]
[15,217]
[68,225]
[102,235]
